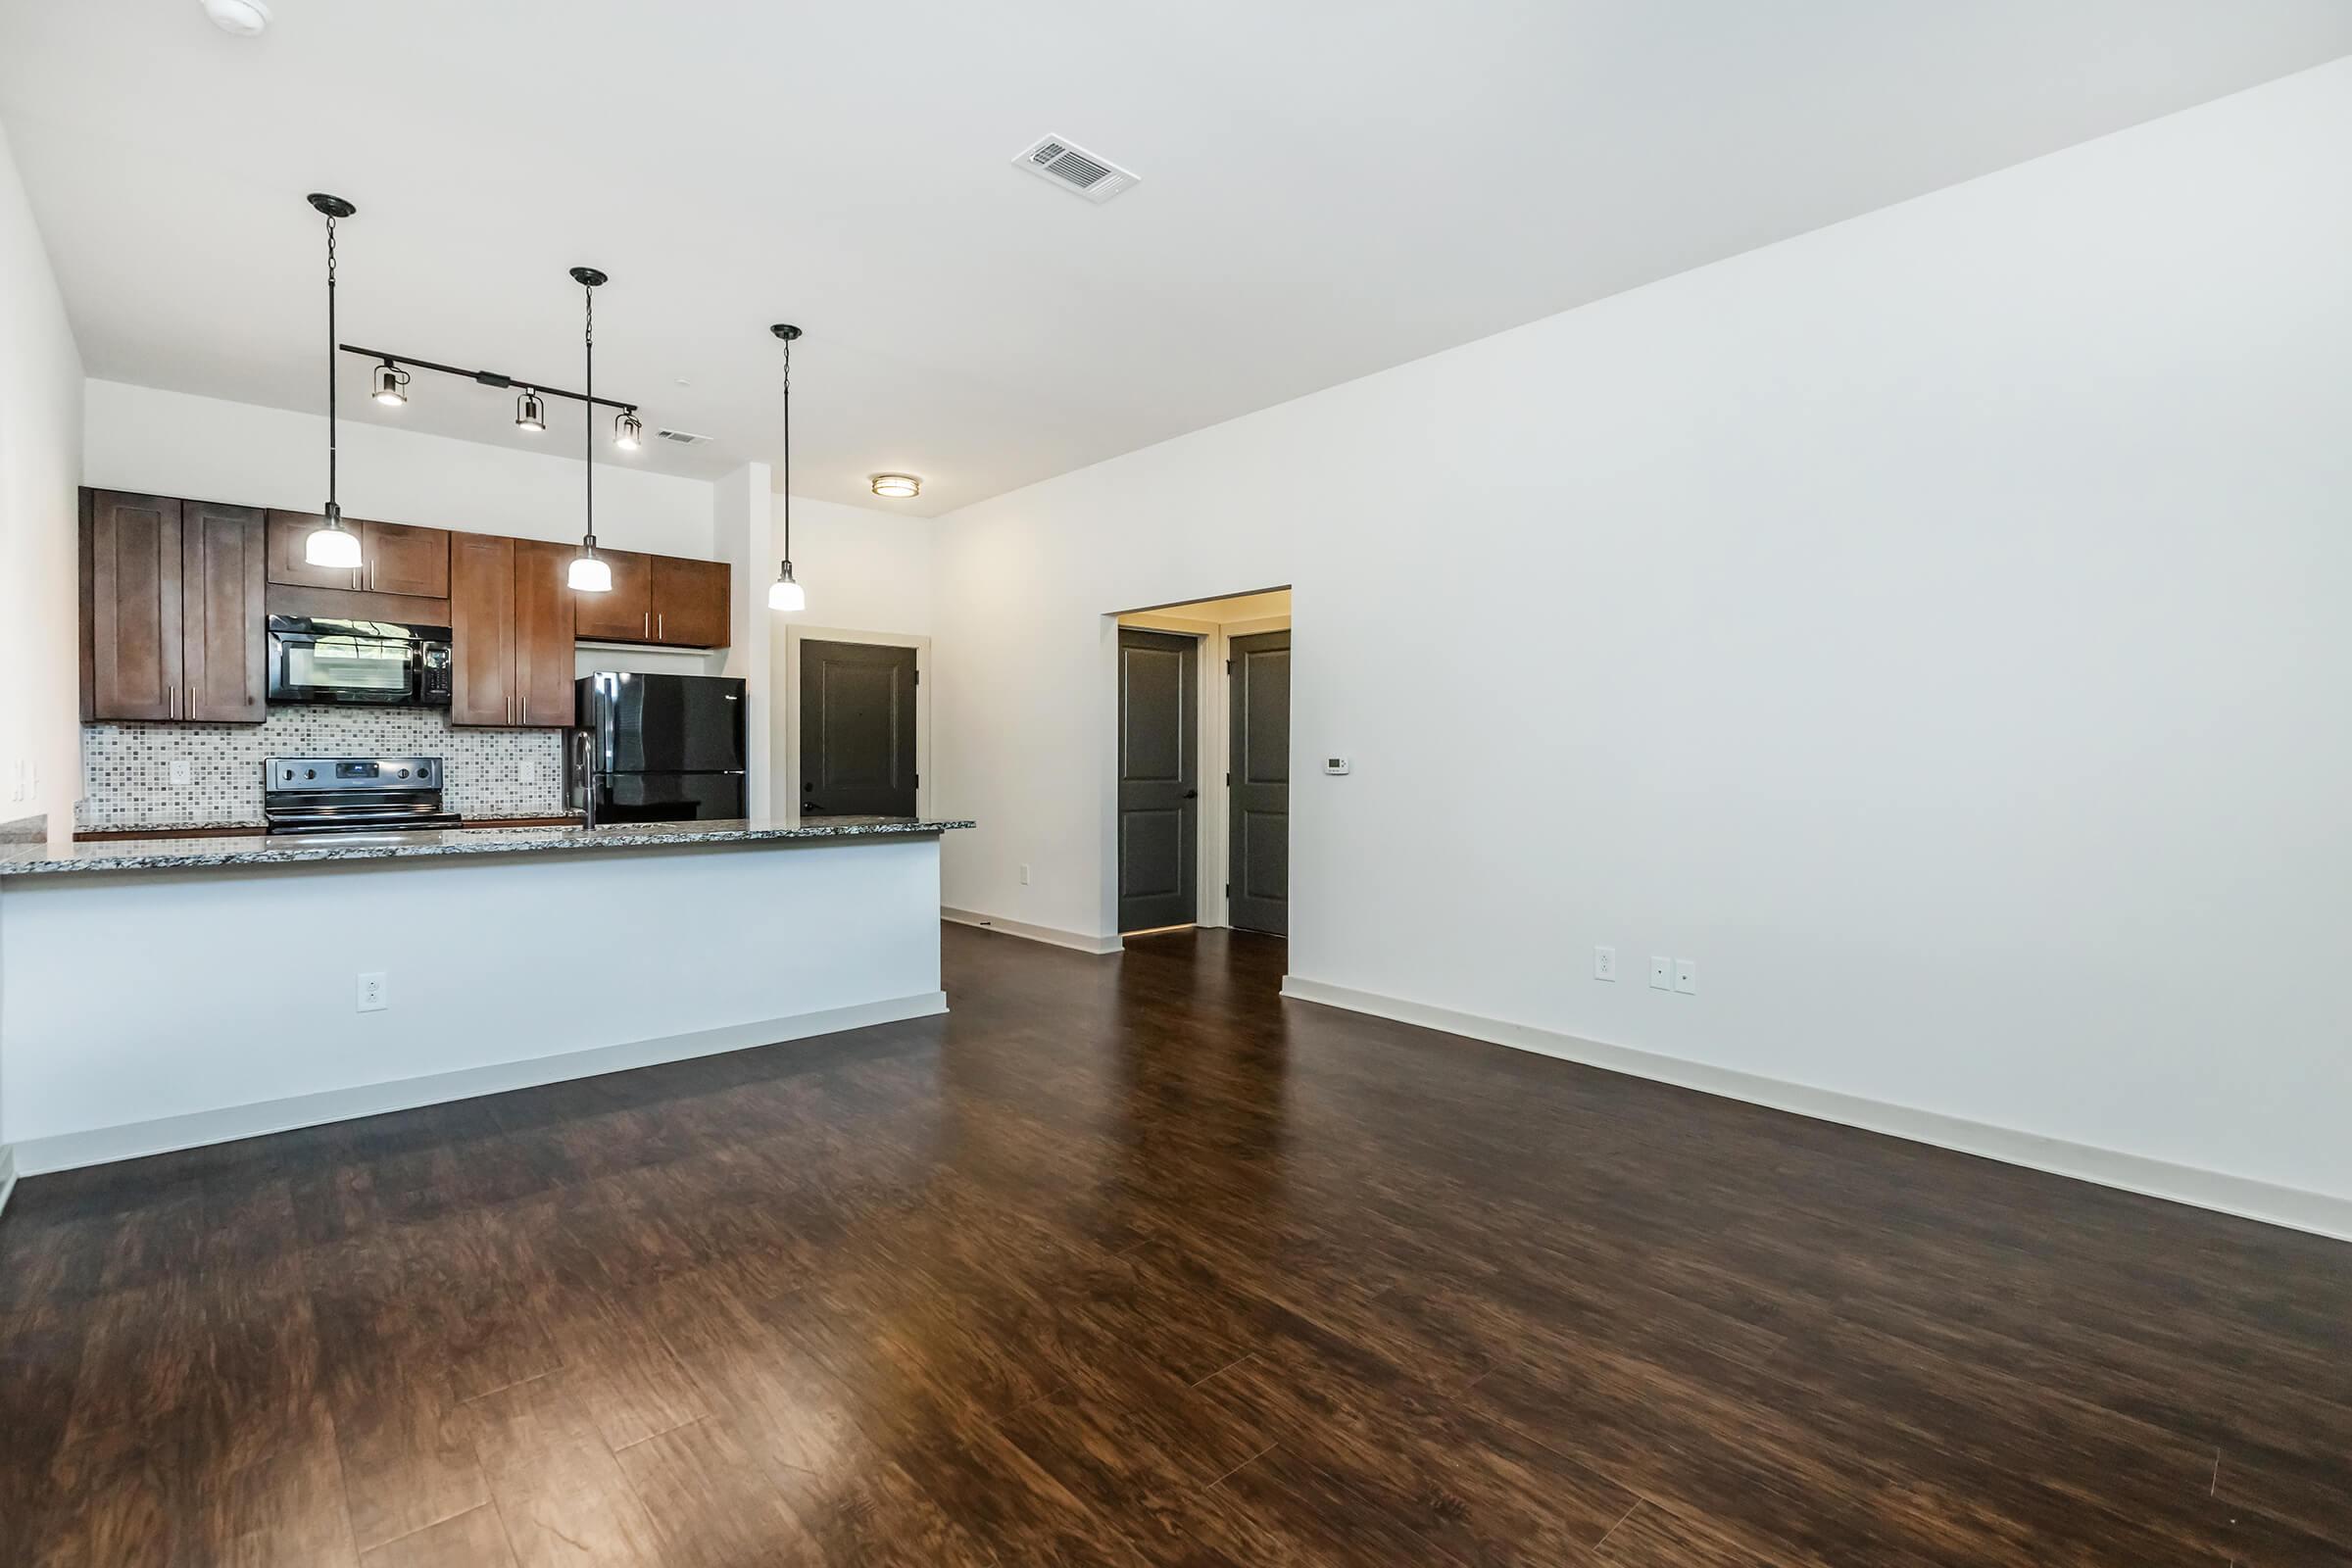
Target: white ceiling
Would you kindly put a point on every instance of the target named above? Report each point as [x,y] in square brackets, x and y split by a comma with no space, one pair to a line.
[1327,190]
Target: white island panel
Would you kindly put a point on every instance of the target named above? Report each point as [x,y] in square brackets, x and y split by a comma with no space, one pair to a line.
[160,1009]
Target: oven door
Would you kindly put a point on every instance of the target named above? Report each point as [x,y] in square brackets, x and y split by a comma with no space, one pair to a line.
[363,662]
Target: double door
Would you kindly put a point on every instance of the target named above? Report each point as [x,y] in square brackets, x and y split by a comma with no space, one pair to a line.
[395,558]
[173,618]
[511,632]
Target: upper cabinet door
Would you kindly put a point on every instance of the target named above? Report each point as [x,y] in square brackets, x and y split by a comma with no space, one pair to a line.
[287,531]
[481,622]
[690,601]
[224,649]
[131,611]
[405,560]
[542,633]
[626,613]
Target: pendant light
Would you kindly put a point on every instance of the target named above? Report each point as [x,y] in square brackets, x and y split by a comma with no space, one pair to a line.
[784,594]
[628,431]
[330,543]
[531,413]
[590,572]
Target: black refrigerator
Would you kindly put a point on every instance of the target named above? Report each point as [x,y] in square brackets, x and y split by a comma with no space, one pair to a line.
[656,748]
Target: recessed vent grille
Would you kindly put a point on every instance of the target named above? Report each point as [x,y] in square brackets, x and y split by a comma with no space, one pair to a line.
[684,438]
[1075,169]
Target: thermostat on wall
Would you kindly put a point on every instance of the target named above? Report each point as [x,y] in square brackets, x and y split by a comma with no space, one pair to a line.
[1337,764]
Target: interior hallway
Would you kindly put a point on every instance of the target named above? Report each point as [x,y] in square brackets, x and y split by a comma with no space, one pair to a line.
[1125,1260]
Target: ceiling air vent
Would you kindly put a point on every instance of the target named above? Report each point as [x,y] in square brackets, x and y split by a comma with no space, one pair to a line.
[684,438]
[1075,169]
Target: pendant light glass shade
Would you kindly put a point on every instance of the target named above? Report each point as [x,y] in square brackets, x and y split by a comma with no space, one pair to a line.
[627,434]
[330,543]
[530,414]
[784,593]
[591,573]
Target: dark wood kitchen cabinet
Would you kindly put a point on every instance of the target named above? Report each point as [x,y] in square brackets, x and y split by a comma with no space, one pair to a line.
[625,615]
[172,622]
[395,558]
[690,601]
[511,632]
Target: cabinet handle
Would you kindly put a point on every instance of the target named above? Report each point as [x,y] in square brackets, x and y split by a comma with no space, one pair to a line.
[649,623]
[660,627]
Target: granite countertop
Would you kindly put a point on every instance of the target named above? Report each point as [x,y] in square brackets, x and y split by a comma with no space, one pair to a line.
[174,855]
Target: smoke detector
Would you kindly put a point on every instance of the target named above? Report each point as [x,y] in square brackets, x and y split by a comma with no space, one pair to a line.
[684,438]
[240,18]
[1060,163]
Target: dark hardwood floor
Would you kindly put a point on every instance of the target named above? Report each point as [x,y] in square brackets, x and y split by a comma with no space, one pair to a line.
[1127,1262]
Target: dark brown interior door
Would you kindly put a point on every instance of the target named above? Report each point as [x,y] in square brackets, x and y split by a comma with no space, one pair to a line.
[625,615]
[225,678]
[405,560]
[1159,779]
[287,532]
[543,652]
[131,571]
[1258,817]
[858,730]
[690,601]
[481,625]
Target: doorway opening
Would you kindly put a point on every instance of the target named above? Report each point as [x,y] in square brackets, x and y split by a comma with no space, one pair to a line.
[1203,764]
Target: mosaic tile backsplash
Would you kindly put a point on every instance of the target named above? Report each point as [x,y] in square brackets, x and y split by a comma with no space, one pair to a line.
[128,768]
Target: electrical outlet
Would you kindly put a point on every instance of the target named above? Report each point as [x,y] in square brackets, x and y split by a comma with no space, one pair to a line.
[1605,963]
[373,996]
[526,771]
[1685,976]
[1024,874]
[1661,972]
[183,772]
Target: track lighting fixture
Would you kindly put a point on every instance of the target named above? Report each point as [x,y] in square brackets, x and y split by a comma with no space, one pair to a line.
[390,384]
[627,434]
[530,414]
[785,593]
[330,543]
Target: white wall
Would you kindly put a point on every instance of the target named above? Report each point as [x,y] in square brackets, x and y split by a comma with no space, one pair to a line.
[40,463]
[1934,626]
[174,443]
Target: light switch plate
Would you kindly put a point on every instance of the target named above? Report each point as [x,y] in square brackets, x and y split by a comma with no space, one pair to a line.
[1685,976]
[183,772]
[1605,963]
[1661,972]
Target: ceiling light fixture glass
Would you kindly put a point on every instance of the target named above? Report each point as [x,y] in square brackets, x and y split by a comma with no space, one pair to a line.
[628,433]
[590,572]
[530,414]
[784,593]
[330,543]
[389,384]
[897,486]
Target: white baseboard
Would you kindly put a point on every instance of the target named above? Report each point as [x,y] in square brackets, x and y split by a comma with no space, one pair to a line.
[99,1145]
[7,1174]
[2320,1213]
[1034,932]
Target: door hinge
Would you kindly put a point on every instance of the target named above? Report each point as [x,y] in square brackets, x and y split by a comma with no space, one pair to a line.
[1229,781]
[1229,666]
[918,781]
[918,677]
[1229,890]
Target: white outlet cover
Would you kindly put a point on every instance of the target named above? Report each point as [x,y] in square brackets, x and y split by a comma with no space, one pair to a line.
[373,992]
[1661,972]
[1685,976]
[183,772]
[527,772]
[1605,963]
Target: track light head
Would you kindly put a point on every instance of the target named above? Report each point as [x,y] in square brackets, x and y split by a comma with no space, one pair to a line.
[531,413]
[389,384]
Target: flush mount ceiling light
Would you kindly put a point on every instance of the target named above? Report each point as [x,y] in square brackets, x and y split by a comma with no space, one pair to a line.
[590,572]
[785,593]
[389,384]
[897,486]
[330,543]
[531,413]
[242,18]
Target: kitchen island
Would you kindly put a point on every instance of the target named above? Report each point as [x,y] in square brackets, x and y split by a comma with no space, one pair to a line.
[157,994]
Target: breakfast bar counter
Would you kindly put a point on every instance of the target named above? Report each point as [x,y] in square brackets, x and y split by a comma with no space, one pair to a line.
[160,993]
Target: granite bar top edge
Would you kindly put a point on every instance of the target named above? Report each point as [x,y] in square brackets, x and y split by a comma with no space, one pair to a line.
[198,854]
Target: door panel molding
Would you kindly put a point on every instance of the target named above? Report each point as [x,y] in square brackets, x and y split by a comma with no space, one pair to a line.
[1159,769]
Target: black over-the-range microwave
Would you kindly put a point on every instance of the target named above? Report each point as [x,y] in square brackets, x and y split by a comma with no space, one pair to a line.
[323,659]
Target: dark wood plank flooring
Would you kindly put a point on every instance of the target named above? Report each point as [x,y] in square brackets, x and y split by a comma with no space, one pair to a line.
[1126,1261]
